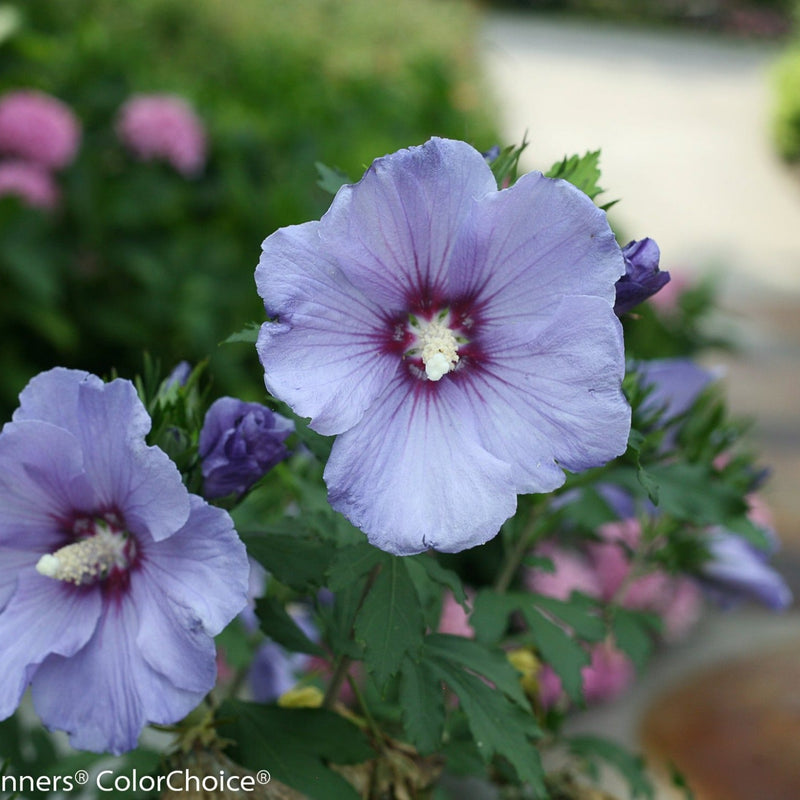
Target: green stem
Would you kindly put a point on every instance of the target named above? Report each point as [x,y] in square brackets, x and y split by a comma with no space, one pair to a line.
[528,536]
[339,676]
[344,661]
[371,724]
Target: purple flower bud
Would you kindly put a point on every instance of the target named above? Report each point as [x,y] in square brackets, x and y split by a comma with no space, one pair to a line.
[492,154]
[642,277]
[239,443]
[179,375]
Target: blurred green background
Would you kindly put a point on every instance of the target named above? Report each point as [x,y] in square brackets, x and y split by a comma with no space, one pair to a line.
[786,113]
[140,258]
[137,257]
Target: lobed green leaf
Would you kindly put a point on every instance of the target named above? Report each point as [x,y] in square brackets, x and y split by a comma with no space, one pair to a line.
[391,622]
[295,745]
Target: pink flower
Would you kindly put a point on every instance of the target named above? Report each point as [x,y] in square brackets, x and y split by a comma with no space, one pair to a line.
[550,688]
[163,127]
[31,183]
[604,678]
[37,127]
[608,674]
[682,610]
[572,573]
[666,300]
[676,600]
[454,619]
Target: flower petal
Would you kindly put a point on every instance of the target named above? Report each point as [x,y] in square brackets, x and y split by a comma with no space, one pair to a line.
[42,484]
[323,356]
[736,571]
[675,383]
[11,562]
[395,228]
[110,423]
[528,246]
[550,398]
[139,481]
[104,694]
[171,638]
[52,396]
[203,566]
[412,474]
[43,616]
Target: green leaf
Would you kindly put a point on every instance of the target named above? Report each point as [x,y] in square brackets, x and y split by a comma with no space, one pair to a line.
[579,613]
[506,165]
[581,171]
[587,509]
[337,620]
[750,532]
[633,633]
[439,574]
[542,563]
[234,640]
[278,625]
[295,745]
[352,563]
[461,754]
[631,767]
[319,445]
[491,663]
[296,560]
[679,782]
[490,613]
[691,492]
[422,701]
[498,726]
[247,335]
[559,650]
[330,179]
[391,622]
[557,647]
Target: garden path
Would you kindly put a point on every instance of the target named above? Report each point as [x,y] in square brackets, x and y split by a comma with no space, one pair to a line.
[683,123]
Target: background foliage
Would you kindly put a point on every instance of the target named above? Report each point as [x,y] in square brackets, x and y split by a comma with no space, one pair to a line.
[786,115]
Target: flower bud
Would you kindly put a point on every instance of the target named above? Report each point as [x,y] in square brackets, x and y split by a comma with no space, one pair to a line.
[239,443]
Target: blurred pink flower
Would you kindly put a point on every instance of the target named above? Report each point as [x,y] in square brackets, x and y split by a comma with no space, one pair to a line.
[605,677]
[163,127]
[666,300]
[759,513]
[683,608]
[608,674]
[31,183]
[37,127]
[454,619]
[677,600]
[550,689]
[572,573]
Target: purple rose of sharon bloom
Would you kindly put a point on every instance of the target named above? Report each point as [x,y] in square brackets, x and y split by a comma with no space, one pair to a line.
[459,340]
[113,578]
[737,570]
[674,385]
[239,443]
[642,278]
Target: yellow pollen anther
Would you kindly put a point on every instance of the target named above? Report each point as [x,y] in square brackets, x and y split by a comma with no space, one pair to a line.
[88,560]
[439,349]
